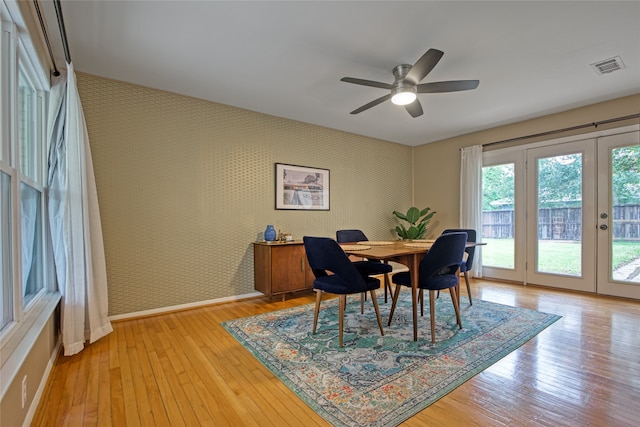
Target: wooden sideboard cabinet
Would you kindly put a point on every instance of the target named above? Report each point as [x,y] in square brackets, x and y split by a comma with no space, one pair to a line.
[279,268]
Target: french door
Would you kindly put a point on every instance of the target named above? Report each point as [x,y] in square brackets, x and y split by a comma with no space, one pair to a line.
[561,233]
[618,260]
[575,214]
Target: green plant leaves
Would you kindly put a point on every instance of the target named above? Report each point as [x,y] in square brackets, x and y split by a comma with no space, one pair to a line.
[413,215]
[418,221]
[400,215]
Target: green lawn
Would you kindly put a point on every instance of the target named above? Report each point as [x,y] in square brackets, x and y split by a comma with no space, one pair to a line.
[555,256]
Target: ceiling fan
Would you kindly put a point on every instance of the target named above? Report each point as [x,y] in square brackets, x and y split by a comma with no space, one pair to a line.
[407,85]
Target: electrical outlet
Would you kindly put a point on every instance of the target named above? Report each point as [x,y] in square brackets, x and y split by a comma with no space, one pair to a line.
[24,391]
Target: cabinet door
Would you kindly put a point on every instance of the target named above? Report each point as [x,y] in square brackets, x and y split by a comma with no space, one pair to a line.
[288,268]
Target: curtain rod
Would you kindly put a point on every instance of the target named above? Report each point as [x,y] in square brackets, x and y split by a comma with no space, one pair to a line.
[63,32]
[46,38]
[552,132]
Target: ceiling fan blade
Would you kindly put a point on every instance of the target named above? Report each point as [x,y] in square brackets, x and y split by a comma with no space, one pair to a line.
[371,104]
[415,108]
[423,66]
[366,83]
[449,86]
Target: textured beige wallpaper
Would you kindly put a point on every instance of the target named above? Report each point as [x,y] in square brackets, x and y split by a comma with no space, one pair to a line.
[186,185]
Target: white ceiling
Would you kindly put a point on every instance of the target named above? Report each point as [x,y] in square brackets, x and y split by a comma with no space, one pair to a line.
[286,58]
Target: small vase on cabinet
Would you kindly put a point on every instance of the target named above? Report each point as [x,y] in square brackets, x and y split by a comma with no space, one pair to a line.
[270,233]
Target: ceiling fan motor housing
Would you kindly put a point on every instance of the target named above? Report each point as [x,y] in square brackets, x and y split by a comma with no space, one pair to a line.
[400,72]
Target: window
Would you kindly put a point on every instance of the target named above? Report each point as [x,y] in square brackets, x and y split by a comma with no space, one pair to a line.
[6,313]
[26,124]
[31,146]
[32,254]
[25,258]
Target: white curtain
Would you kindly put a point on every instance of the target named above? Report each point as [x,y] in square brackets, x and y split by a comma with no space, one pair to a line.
[471,198]
[75,220]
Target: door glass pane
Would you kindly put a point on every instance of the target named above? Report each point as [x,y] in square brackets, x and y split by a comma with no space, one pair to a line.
[559,246]
[6,293]
[498,183]
[625,201]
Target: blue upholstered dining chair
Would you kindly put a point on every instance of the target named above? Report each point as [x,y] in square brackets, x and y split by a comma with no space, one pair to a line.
[438,270]
[366,267]
[325,256]
[466,265]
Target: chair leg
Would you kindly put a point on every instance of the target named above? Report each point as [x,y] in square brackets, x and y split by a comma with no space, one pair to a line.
[363,297]
[387,286]
[374,299]
[393,304]
[456,306]
[466,279]
[456,290]
[341,305]
[432,314]
[421,298]
[315,315]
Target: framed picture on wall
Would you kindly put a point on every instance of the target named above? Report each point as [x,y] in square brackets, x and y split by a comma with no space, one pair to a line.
[302,187]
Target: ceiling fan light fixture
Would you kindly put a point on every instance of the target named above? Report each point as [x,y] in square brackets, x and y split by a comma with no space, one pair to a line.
[404,96]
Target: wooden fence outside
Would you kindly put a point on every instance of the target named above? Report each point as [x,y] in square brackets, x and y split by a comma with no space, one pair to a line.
[562,223]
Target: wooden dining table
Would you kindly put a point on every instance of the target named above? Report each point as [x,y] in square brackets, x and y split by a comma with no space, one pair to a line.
[408,253]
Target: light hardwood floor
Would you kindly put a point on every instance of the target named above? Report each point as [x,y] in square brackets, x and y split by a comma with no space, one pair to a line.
[183,369]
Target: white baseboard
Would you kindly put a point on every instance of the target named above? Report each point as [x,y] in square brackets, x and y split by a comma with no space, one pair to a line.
[180,307]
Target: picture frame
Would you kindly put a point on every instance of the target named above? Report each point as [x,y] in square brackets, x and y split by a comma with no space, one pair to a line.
[302,188]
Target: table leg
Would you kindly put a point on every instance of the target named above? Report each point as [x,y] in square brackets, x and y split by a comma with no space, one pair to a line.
[415,265]
[413,262]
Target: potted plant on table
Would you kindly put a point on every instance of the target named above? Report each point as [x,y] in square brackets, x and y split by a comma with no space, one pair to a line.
[418,221]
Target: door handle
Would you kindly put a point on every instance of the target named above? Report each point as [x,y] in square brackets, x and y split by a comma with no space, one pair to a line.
[603,227]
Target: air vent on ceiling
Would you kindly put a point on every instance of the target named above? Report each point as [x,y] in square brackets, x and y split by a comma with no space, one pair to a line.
[608,65]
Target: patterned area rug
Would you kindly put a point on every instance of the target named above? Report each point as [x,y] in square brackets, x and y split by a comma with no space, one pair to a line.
[382,381]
